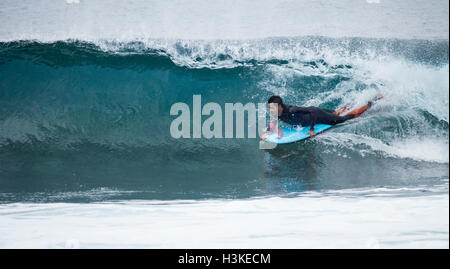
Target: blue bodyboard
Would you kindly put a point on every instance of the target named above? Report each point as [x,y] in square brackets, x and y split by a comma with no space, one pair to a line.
[291,135]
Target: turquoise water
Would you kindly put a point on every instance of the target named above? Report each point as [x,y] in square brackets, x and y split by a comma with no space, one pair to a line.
[75,118]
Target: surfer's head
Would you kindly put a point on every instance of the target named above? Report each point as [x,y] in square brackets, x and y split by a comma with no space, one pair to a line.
[275,102]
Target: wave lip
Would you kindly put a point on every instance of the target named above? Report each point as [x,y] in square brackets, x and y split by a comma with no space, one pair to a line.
[232,53]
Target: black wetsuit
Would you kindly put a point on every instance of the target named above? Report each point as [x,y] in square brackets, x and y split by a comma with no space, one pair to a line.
[306,116]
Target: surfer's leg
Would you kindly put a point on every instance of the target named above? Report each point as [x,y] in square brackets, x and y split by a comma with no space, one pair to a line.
[325,117]
[339,111]
[341,119]
[357,112]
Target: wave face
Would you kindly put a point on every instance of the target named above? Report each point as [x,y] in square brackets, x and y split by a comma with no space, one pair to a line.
[83,121]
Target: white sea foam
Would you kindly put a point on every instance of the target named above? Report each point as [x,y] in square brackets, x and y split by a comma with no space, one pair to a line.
[341,220]
[406,85]
[72,1]
[422,149]
[411,85]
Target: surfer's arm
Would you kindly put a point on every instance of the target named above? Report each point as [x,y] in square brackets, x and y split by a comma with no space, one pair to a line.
[312,111]
[313,117]
[272,126]
[270,129]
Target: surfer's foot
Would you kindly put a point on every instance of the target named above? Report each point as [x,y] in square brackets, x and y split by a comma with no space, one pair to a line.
[376,98]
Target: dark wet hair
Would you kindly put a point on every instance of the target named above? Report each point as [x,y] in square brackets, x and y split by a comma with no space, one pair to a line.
[275,99]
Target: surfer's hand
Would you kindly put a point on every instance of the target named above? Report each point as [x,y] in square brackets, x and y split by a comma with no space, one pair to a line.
[264,136]
[311,132]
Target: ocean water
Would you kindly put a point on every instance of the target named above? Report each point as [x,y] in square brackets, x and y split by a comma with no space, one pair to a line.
[87,159]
